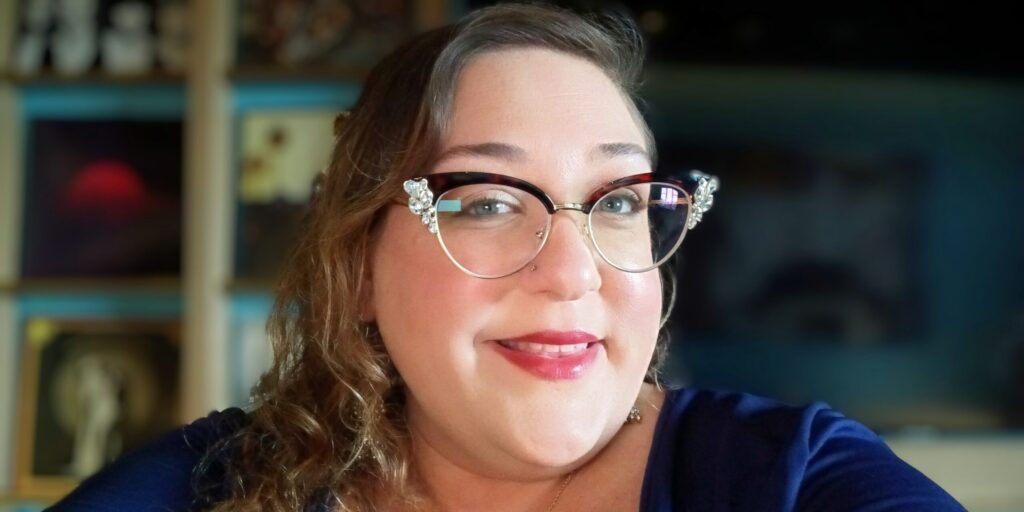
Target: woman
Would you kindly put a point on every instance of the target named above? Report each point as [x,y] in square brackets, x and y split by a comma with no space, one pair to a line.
[471,321]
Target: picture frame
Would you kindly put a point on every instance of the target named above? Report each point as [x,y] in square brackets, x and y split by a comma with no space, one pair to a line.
[109,192]
[812,246]
[90,390]
[281,152]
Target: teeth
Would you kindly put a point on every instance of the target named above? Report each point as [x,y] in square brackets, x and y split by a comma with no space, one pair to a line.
[538,348]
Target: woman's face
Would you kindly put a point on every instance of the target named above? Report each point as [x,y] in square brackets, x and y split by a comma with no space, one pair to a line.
[466,398]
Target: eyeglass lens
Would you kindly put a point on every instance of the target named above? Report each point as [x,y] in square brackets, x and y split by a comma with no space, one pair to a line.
[494,230]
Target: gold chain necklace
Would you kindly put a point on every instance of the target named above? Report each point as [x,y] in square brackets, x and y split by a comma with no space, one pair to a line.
[633,418]
[565,483]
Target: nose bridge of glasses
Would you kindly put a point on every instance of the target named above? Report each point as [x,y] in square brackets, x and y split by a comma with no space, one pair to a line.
[583,227]
[580,207]
[576,207]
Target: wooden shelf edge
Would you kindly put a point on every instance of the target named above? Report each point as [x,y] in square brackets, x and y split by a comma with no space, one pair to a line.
[44,499]
[95,285]
[92,78]
[297,74]
[249,285]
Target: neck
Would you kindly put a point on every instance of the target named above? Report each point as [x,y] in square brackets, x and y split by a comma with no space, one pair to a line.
[453,487]
[611,474]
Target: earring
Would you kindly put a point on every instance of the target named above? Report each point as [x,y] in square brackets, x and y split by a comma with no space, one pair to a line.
[634,416]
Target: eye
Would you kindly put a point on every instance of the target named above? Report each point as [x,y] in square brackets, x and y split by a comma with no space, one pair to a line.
[488,206]
[620,202]
[480,202]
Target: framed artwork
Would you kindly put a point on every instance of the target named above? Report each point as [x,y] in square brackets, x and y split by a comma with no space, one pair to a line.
[808,245]
[282,152]
[103,199]
[90,391]
[327,34]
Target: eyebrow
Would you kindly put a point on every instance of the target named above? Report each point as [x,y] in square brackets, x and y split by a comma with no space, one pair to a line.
[616,149]
[513,153]
[497,150]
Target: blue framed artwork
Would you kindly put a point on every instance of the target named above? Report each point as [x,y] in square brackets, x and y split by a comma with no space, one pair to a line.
[806,245]
[864,245]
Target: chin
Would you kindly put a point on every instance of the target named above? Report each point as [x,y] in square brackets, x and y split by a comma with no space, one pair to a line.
[553,445]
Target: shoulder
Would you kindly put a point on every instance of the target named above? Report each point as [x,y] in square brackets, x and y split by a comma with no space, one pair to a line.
[158,476]
[718,450]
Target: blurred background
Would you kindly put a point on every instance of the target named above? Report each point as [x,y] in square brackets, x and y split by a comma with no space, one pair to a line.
[865,248]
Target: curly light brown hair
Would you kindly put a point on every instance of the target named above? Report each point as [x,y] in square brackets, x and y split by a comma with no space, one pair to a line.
[327,424]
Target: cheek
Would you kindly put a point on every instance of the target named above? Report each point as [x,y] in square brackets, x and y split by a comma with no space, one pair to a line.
[422,303]
[635,304]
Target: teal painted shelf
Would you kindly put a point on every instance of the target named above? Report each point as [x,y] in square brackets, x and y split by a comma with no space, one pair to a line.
[285,95]
[120,100]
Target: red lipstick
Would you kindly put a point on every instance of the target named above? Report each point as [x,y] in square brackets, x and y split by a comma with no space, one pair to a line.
[551,355]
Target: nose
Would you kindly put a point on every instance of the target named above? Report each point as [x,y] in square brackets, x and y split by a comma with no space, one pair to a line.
[566,268]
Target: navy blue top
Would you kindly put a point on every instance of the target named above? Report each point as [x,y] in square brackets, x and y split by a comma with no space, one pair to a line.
[711,451]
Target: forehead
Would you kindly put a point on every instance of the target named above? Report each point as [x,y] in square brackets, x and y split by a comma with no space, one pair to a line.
[551,104]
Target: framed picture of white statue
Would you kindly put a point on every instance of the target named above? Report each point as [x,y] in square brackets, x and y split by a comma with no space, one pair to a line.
[90,390]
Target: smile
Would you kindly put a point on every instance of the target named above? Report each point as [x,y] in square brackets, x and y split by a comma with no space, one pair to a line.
[545,349]
[565,356]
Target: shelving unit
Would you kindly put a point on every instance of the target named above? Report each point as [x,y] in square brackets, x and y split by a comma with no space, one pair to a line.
[215,306]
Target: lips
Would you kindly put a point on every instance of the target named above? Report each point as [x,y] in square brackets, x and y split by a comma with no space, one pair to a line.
[552,355]
[557,337]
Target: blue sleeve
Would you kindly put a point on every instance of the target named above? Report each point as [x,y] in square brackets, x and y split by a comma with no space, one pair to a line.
[157,477]
[849,468]
[727,452]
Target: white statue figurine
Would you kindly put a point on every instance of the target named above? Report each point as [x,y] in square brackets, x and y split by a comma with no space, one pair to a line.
[128,47]
[99,409]
[74,42]
[28,54]
[172,43]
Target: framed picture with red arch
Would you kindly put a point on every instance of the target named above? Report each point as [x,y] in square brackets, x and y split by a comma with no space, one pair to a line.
[103,199]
